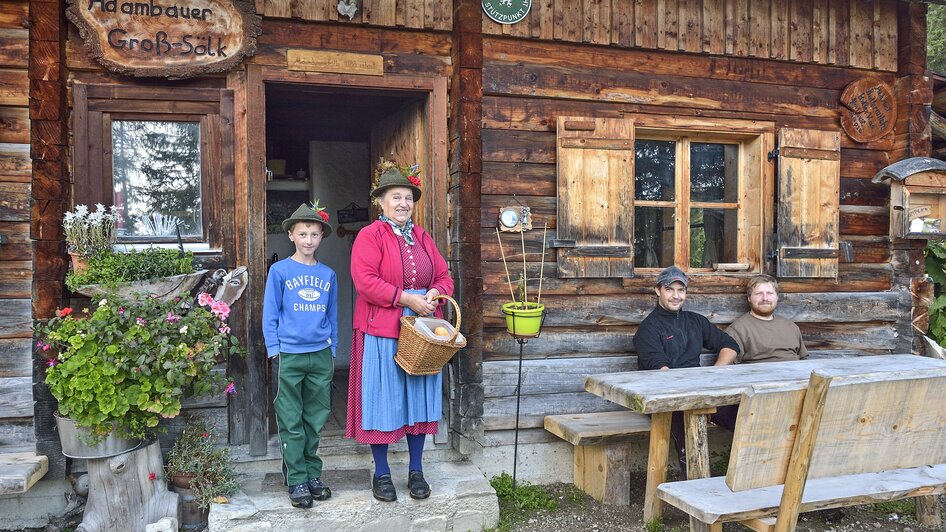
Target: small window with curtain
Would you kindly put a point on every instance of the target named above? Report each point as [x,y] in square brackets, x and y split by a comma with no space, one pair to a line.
[156,179]
[163,156]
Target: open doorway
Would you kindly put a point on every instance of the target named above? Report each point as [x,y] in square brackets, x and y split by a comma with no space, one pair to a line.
[323,142]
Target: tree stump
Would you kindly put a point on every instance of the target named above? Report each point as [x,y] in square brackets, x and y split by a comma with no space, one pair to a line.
[122,494]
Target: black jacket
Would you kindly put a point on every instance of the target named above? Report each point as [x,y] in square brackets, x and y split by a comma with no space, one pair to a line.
[675,339]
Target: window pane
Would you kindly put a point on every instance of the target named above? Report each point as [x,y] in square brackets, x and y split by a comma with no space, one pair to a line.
[654,168]
[714,172]
[653,237]
[156,178]
[713,237]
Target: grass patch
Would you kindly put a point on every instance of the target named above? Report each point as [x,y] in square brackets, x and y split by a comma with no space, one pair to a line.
[517,504]
[903,506]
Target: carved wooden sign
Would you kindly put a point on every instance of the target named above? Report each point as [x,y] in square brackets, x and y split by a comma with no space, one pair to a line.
[869,109]
[166,38]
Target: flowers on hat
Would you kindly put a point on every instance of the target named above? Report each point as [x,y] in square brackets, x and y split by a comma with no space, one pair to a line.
[411,172]
[323,214]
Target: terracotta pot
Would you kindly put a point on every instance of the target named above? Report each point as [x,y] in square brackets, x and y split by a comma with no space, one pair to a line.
[181,480]
[80,263]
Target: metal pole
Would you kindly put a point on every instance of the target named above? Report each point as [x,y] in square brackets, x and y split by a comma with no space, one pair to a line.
[515,445]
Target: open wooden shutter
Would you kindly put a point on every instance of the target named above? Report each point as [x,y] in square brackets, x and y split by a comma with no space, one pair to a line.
[809,168]
[595,158]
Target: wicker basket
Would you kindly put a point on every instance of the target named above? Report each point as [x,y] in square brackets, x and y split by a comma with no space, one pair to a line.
[417,354]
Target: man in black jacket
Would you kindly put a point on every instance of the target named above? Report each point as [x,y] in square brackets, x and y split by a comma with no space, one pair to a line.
[670,337]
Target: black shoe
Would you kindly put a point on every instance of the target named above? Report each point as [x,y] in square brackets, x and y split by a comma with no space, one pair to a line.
[300,496]
[419,487]
[383,489]
[319,491]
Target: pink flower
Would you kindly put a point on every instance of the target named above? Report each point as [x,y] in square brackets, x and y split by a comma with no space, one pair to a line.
[225,329]
[324,216]
[52,362]
[121,310]
[220,309]
[39,343]
[205,299]
[231,389]
[152,476]
[414,180]
[205,435]
[141,321]
[45,347]
[172,318]
[65,312]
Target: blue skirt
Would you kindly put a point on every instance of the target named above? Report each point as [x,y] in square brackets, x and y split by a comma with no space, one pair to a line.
[390,398]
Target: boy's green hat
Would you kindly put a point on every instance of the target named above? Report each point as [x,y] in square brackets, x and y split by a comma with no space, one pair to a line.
[309,212]
[392,176]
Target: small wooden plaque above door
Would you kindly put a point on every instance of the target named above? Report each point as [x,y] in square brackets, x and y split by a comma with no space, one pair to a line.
[868,109]
[335,62]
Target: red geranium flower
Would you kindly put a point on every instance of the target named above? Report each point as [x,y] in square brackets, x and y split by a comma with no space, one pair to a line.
[324,216]
[65,312]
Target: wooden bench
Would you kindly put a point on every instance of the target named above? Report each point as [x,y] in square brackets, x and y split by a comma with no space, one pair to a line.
[842,441]
[19,471]
[602,460]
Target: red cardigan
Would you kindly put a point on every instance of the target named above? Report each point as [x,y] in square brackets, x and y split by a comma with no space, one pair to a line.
[378,275]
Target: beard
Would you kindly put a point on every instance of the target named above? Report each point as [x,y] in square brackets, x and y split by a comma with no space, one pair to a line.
[762,311]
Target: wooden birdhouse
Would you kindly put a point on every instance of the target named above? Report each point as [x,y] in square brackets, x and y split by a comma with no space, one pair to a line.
[917,197]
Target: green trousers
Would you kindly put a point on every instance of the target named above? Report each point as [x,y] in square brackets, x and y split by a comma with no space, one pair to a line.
[302,406]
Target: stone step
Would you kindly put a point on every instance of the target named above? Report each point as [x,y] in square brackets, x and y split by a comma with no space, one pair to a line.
[19,471]
[461,499]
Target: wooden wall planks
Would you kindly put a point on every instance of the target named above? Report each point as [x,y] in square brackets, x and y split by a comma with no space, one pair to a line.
[415,14]
[857,33]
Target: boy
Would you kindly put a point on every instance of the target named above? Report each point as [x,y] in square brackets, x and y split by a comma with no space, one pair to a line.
[300,325]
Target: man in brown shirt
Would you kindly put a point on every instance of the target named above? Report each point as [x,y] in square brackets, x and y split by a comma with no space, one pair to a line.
[762,336]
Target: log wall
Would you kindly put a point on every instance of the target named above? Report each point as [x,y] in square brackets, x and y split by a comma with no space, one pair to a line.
[16,253]
[529,83]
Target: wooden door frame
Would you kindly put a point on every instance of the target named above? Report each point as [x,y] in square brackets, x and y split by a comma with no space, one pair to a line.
[249,87]
[435,90]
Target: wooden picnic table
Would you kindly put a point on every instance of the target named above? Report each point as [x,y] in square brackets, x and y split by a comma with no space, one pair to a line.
[698,391]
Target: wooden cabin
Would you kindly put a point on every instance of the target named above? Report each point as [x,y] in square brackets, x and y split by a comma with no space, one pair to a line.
[728,137]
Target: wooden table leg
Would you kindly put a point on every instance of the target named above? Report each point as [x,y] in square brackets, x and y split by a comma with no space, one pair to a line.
[697,448]
[656,464]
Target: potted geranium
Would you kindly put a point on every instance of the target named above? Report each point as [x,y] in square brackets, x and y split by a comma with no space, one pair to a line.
[200,471]
[89,232]
[123,367]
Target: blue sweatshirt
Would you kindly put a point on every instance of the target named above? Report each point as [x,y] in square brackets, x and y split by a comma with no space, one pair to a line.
[300,308]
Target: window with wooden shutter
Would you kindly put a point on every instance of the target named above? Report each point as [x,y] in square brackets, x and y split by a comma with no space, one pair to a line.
[809,169]
[595,158]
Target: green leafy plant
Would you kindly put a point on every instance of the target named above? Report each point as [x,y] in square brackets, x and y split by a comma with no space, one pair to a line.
[125,366]
[516,502]
[936,269]
[209,467]
[110,268]
[89,232]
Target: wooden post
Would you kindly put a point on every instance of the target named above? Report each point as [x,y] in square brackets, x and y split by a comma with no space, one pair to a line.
[697,452]
[656,464]
[124,496]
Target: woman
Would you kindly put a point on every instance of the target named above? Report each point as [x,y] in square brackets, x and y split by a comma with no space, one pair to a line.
[397,271]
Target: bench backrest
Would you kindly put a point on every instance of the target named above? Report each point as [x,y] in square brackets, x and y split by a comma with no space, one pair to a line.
[839,425]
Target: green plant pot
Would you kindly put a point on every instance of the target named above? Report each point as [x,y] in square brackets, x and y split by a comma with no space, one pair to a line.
[73,439]
[523,320]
